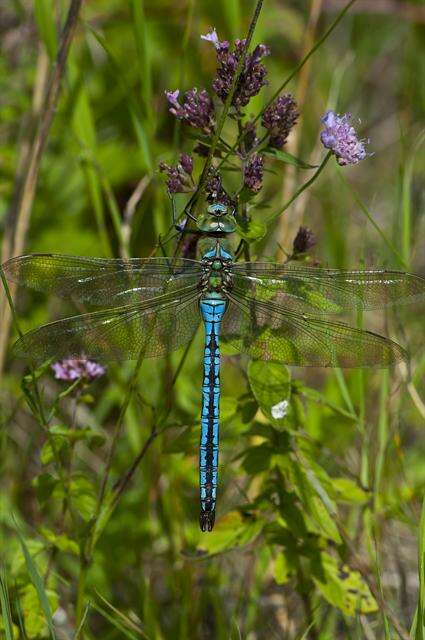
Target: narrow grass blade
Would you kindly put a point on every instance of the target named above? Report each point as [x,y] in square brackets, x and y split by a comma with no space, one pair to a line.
[38,585]
[5,607]
[125,619]
[406,201]
[141,36]
[83,622]
[418,627]
[120,627]
[44,13]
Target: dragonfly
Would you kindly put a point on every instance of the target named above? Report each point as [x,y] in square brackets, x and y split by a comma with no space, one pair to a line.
[270,311]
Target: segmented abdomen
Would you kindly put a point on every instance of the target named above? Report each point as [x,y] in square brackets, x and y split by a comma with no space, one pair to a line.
[212,311]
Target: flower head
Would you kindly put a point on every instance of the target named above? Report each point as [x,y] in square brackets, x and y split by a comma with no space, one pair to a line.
[252,76]
[197,108]
[179,177]
[253,173]
[215,190]
[303,241]
[74,368]
[212,37]
[279,118]
[341,138]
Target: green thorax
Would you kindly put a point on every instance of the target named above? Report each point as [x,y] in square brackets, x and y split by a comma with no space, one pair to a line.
[216,280]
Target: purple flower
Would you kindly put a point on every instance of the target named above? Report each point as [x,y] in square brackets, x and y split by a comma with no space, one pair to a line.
[179,177]
[74,368]
[303,241]
[252,77]
[215,190]
[197,108]
[253,173]
[212,37]
[341,138]
[186,162]
[279,118]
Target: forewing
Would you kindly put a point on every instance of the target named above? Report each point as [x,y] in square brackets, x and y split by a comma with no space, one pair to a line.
[159,327]
[101,281]
[268,332]
[303,289]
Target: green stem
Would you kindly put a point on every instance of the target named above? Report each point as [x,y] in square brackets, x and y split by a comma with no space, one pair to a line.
[303,187]
[117,432]
[225,110]
[81,596]
[297,68]
[306,57]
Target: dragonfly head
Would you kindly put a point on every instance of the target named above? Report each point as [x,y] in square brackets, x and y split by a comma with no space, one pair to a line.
[218,219]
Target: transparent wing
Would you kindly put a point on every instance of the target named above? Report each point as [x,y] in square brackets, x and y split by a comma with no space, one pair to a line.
[157,327]
[102,281]
[266,331]
[303,289]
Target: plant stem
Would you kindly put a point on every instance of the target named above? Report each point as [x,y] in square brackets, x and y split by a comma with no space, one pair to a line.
[117,432]
[225,110]
[20,216]
[303,187]
[299,66]
[80,602]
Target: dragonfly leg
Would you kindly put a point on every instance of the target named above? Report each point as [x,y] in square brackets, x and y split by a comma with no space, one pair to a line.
[212,311]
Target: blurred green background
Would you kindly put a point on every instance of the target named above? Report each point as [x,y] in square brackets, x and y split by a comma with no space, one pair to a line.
[154,574]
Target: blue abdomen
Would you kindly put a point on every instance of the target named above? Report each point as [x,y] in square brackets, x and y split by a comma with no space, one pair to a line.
[212,311]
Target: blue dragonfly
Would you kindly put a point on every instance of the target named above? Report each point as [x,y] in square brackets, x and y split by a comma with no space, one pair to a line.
[269,311]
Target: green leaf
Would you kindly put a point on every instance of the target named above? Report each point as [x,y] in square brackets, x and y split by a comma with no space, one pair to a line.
[36,620]
[281,569]
[46,600]
[251,230]
[316,502]
[271,385]
[257,459]
[45,484]
[346,490]
[341,586]
[83,496]
[288,158]
[60,541]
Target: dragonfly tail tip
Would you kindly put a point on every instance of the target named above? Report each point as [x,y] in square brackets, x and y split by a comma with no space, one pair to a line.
[206,520]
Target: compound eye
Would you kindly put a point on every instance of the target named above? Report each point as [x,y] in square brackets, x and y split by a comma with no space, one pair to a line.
[218,209]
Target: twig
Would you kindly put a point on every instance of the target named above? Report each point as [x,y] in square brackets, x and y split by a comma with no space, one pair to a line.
[25,198]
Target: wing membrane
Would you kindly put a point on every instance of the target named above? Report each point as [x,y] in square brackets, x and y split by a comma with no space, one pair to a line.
[303,289]
[157,327]
[102,281]
[268,332]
